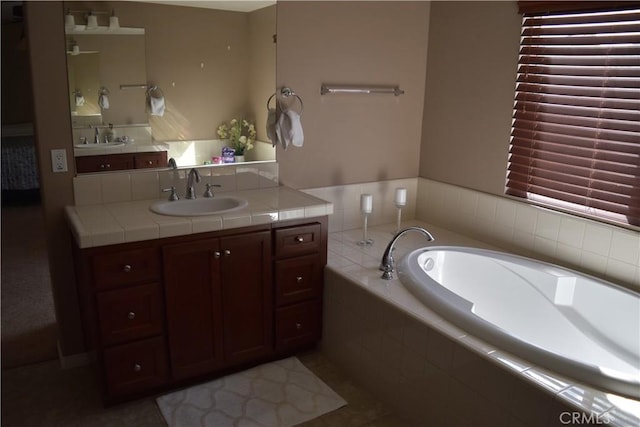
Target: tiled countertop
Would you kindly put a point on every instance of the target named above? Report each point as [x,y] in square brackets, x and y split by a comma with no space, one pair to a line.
[113,223]
[360,264]
[135,147]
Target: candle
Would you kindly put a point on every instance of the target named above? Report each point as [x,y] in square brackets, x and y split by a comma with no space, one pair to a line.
[366,203]
[401,196]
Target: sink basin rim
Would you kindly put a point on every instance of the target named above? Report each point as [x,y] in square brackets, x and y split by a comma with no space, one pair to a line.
[198,207]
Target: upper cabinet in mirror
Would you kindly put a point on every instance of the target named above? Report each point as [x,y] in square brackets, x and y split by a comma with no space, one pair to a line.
[210,65]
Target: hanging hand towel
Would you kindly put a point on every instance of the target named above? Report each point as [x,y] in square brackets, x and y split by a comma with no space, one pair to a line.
[290,129]
[297,135]
[79,100]
[103,102]
[155,101]
[271,127]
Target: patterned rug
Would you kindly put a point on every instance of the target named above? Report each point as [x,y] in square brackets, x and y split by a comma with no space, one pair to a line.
[278,394]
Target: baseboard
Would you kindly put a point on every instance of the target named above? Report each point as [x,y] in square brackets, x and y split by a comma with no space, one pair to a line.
[72,361]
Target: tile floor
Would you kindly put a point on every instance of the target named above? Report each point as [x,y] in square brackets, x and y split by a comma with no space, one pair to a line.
[45,395]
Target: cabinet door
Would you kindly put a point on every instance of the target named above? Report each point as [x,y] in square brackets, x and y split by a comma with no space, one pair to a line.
[194,310]
[247,296]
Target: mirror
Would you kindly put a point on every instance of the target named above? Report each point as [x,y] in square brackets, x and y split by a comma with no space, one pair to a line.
[211,65]
[95,62]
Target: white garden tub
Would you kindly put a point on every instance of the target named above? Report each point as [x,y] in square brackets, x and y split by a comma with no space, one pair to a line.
[576,325]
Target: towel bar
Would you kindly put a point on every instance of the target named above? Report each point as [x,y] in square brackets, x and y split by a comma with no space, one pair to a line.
[326,89]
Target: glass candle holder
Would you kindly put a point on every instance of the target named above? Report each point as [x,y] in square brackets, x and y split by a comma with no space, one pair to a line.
[366,207]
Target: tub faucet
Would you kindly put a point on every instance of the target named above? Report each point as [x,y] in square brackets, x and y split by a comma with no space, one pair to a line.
[191,192]
[387,264]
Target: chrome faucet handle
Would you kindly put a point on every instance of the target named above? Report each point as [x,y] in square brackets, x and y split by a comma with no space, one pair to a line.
[173,196]
[208,192]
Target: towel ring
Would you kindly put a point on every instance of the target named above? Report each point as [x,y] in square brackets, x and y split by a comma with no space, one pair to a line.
[286,92]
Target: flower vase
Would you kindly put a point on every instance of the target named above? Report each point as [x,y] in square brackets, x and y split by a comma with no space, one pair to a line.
[239,159]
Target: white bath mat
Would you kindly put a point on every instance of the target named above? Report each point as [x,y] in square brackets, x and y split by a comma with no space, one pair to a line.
[278,394]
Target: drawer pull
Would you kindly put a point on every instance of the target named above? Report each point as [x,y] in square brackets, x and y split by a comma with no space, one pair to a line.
[299,279]
[299,239]
[227,252]
[131,315]
[137,367]
[216,254]
[126,268]
[298,326]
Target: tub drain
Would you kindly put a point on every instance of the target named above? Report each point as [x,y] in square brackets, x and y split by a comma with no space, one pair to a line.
[428,264]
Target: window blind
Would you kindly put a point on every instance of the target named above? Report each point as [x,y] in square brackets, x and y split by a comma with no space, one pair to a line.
[575,140]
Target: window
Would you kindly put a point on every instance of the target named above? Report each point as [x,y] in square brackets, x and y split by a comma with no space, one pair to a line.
[575,140]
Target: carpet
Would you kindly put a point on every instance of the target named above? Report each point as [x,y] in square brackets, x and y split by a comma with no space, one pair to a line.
[277,394]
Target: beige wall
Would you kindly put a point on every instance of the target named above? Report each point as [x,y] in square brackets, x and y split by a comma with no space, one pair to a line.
[353,138]
[202,60]
[473,52]
[52,131]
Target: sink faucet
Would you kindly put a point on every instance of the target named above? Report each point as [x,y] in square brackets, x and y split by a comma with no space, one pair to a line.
[191,192]
[96,138]
[387,265]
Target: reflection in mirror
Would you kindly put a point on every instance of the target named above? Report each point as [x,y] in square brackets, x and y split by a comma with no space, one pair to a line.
[106,62]
[211,66]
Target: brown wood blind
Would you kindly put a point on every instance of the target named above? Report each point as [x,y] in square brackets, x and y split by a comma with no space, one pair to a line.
[575,140]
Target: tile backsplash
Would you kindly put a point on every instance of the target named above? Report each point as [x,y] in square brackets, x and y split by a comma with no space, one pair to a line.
[603,250]
[91,189]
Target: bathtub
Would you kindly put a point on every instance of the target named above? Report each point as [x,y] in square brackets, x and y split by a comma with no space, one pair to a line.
[562,320]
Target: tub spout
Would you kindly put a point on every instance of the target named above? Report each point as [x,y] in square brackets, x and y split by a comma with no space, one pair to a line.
[387,264]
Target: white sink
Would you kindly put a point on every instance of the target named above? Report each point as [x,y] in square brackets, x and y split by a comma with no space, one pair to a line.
[100,145]
[199,207]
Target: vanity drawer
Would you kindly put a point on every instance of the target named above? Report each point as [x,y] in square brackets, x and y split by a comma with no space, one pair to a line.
[124,268]
[298,279]
[150,160]
[129,314]
[135,367]
[298,325]
[294,241]
[104,163]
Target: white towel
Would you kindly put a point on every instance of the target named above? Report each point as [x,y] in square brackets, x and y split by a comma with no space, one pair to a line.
[271,127]
[155,105]
[79,100]
[103,102]
[289,129]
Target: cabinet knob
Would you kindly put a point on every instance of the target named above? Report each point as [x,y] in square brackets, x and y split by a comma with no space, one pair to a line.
[131,315]
[298,326]
[227,252]
[107,166]
[216,254]
[137,367]
[150,163]
[299,239]
[299,279]
[126,268]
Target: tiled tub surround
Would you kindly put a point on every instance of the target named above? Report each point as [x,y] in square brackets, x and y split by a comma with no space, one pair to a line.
[602,250]
[428,369]
[114,208]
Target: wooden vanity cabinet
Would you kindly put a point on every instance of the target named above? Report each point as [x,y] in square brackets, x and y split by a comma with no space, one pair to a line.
[219,309]
[122,301]
[168,312]
[122,161]
[300,257]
